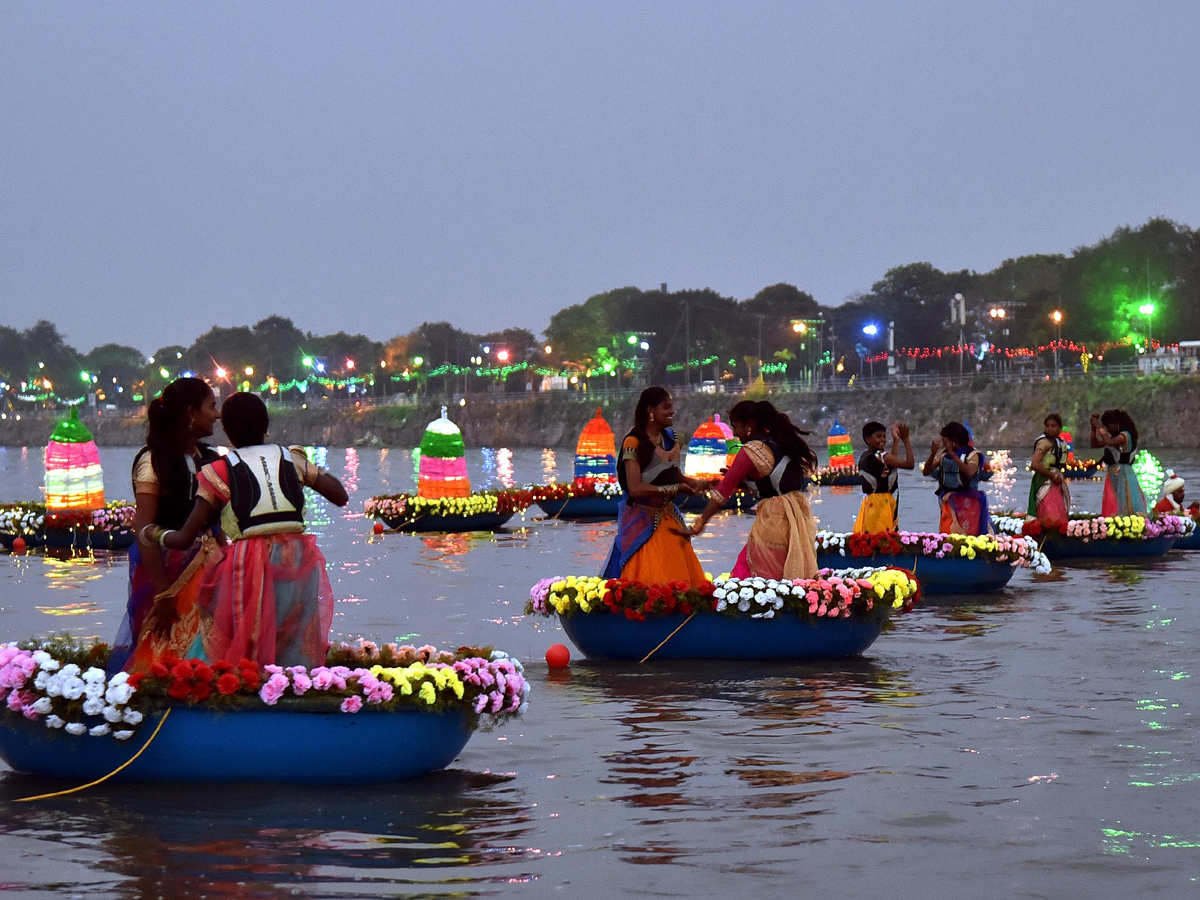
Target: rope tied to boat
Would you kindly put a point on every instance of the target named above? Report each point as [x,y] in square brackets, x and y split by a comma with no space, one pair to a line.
[667,638]
[84,787]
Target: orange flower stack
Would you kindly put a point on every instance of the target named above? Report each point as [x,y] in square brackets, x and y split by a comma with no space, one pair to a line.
[74,480]
[596,451]
[442,466]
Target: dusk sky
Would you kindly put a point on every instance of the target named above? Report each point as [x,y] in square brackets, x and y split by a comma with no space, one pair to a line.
[166,166]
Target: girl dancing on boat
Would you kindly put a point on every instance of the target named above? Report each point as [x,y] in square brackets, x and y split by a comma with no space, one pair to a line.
[1115,431]
[161,614]
[777,463]
[653,545]
[1049,495]
[269,599]
[958,468]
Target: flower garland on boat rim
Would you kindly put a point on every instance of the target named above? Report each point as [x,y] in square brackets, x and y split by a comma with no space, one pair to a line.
[63,684]
[1016,550]
[408,507]
[1090,527]
[579,488]
[848,593]
[31,518]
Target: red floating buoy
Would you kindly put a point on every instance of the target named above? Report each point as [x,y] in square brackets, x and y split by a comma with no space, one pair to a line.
[378,527]
[558,656]
[19,545]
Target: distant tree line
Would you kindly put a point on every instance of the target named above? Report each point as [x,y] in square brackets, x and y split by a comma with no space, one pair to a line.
[1134,283]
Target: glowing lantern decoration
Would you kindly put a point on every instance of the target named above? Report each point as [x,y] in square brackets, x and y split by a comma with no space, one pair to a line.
[732,444]
[706,452]
[74,480]
[443,469]
[841,451]
[596,452]
[1150,474]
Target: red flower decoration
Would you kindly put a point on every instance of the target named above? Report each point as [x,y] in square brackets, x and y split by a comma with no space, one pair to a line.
[228,683]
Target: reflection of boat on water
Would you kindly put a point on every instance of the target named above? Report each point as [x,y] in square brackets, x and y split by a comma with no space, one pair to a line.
[430,522]
[264,840]
[203,745]
[786,636]
[937,576]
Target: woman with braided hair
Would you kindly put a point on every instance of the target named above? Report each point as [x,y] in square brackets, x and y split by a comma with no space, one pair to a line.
[776,462]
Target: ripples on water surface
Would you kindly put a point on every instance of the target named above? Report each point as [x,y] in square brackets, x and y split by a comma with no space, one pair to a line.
[1037,742]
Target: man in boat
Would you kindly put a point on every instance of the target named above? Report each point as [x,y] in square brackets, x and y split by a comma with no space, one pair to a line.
[1049,495]
[1171,503]
[878,471]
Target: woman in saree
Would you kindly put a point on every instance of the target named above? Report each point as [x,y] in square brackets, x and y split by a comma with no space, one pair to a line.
[1049,495]
[776,462]
[161,616]
[1115,431]
[269,598]
[958,467]
[653,545]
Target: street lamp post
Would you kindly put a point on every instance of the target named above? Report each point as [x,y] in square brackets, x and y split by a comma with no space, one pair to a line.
[1147,310]
[870,330]
[1057,316]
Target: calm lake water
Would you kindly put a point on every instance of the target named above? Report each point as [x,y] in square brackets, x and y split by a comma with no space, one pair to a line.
[1038,742]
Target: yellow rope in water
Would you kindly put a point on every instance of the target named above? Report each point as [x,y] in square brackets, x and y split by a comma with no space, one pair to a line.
[84,787]
[667,638]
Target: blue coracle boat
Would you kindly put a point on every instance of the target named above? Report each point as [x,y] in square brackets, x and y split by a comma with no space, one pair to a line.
[1059,546]
[713,636]
[199,745]
[581,507]
[937,576]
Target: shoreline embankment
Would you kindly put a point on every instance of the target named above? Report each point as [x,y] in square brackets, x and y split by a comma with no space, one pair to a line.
[1167,412]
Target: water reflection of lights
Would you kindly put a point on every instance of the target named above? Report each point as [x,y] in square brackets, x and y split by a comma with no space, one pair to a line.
[71,609]
[350,481]
[504,467]
[489,465]
[549,467]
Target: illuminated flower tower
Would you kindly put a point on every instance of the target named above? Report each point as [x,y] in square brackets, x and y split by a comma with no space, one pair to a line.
[706,452]
[732,444]
[443,469]
[596,453]
[74,480]
[841,451]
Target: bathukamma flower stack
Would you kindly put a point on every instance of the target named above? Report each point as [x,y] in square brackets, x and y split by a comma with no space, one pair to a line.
[443,469]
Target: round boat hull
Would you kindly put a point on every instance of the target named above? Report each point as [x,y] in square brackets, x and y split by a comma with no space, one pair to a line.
[937,576]
[847,479]
[1191,542]
[96,540]
[604,635]
[198,745]
[581,508]
[1059,546]
[492,521]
